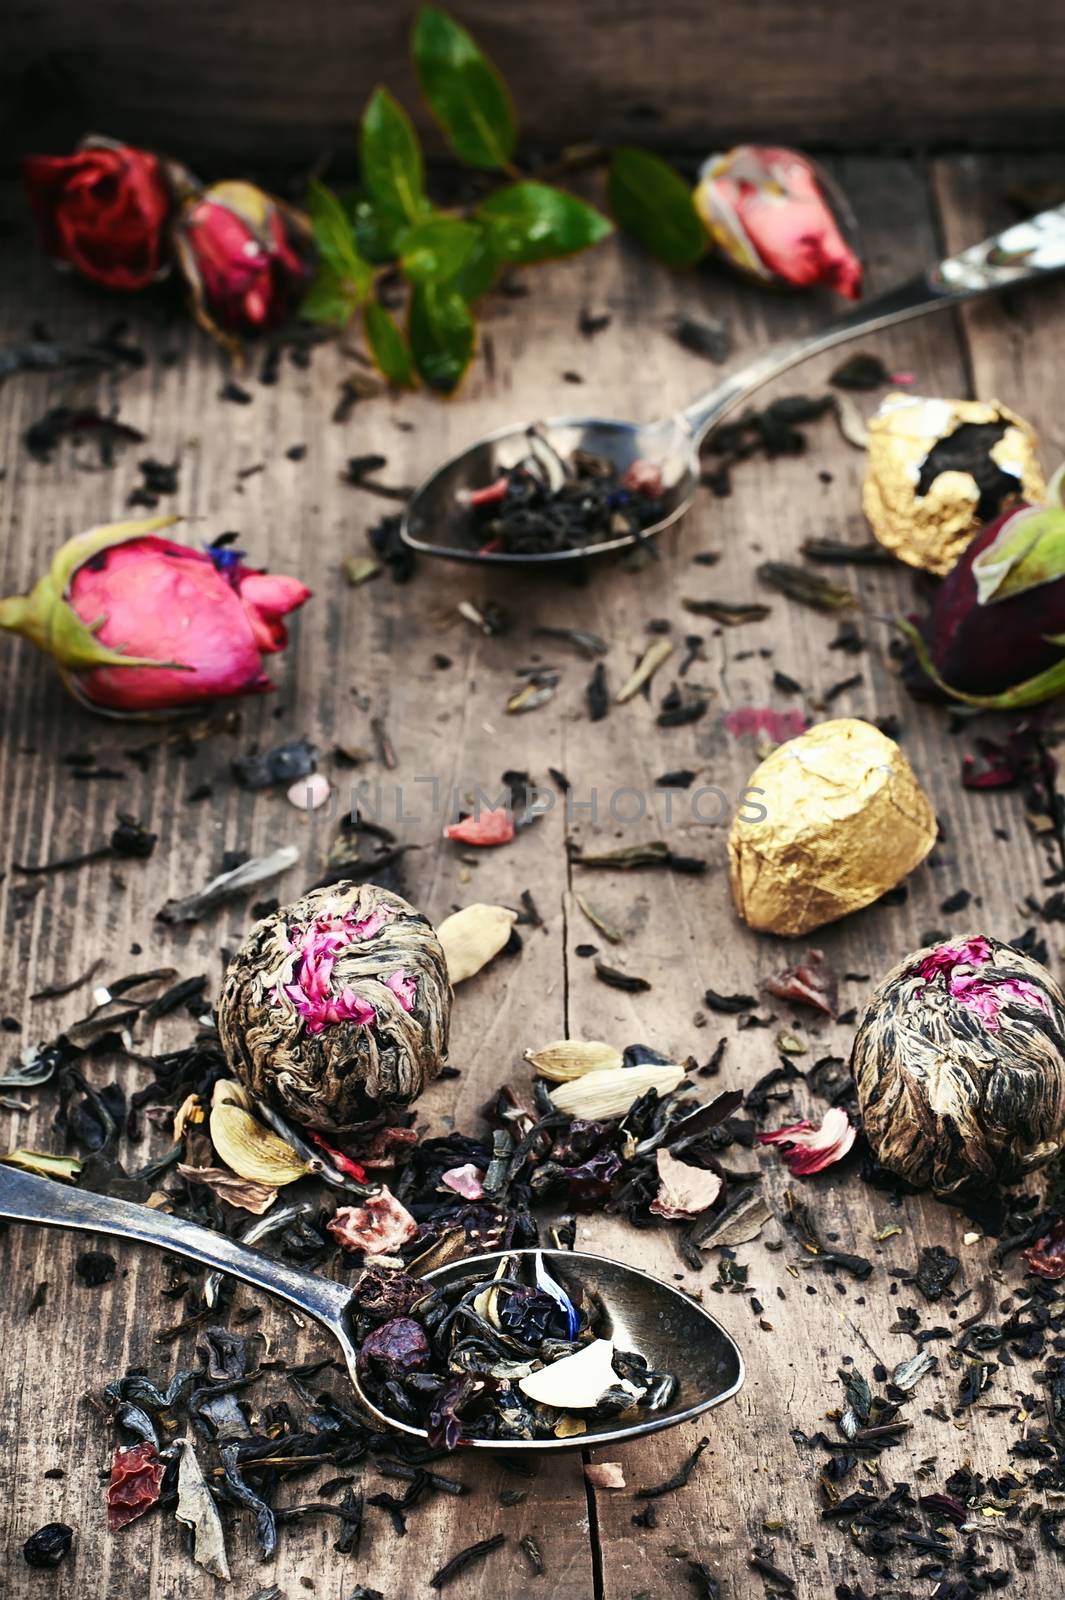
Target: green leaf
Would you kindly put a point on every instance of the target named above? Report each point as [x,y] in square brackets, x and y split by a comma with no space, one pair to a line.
[392,166]
[441,331]
[479,272]
[465,92]
[388,346]
[533,222]
[376,228]
[652,202]
[334,236]
[331,299]
[433,251]
[1028,550]
[1046,685]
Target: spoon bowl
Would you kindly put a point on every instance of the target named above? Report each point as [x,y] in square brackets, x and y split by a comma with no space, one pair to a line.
[436,519]
[643,1315]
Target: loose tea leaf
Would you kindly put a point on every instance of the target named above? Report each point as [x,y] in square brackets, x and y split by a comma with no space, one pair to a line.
[196,1508]
[809,588]
[471,1556]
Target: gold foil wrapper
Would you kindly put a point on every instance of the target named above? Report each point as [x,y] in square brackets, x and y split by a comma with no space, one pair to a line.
[845,820]
[932,530]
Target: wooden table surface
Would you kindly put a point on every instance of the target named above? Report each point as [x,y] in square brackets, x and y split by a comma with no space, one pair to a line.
[358,654]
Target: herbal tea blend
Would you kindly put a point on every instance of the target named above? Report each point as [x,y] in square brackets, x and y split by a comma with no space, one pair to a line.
[959,1060]
[337,1005]
[548,502]
[514,1355]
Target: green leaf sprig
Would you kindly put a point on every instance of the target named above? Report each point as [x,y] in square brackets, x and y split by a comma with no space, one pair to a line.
[447,262]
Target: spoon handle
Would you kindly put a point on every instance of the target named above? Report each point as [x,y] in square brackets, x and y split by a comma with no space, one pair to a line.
[26,1198]
[1023,253]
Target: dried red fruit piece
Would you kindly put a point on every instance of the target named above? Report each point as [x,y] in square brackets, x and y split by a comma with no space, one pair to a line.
[483,828]
[379,1226]
[136,1481]
[1047,1256]
[811,982]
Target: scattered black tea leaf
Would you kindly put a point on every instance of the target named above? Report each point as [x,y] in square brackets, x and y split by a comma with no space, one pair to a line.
[731,614]
[678,1478]
[588,644]
[833,552]
[533,1554]
[471,1556]
[620,980]
[597,695]
[728,1005]
[48,1546]
[709,338]
[285,763]
[808,588]
[861,371]
[95,1267]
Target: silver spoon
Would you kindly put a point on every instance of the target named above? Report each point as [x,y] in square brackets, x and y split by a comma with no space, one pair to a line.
[433,522]
[651,1318]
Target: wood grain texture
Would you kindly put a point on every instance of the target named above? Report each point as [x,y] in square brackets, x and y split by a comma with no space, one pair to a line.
[370,653]
[270,82]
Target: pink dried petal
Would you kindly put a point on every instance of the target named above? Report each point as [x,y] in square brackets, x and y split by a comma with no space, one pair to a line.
[808,1149]
[985,998]
[319,945]
[465,1181]
[605,1475]
[776,725]
[643,477]
[402,987]
[307,794]
[345,1164]
[811,982]
[684,1191]
[379,1226]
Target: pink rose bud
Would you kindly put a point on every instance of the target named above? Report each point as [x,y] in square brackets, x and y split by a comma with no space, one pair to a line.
[768,211]
[995,636]
[141,625]
[245,256]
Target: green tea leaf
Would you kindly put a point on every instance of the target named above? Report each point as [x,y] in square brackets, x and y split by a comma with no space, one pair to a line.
[392,166]
[433,251]
[441,332]
[478,273]
[464,90]
[652,202]
[388,345]
[533,222]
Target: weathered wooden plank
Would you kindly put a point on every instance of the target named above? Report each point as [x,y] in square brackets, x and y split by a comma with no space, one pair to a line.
[370,653]
[685,936]
[268,83]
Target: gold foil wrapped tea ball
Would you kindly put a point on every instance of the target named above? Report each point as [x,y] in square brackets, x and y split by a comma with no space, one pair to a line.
[959,1063]
[937,470]
[834,819]
[337,1006]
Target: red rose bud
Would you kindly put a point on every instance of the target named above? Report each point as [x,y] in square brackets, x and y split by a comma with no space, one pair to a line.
[768,211]
[102,211]
[245,256]
[995,636]
[141,625]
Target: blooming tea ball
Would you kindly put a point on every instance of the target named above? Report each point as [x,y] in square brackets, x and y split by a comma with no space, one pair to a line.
[831,820]
[959,1062]
[337,1006]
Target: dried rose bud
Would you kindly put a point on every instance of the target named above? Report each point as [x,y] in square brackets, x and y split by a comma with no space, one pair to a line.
[337,1006]
[102,211]
[140,625]
[768,211]
[996,633]
[245,256]
[959,1062]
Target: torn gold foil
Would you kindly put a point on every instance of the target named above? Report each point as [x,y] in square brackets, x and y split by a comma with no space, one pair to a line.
[843,819]
[931,530]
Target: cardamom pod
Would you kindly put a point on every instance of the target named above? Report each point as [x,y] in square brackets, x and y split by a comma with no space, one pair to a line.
[252,1151]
